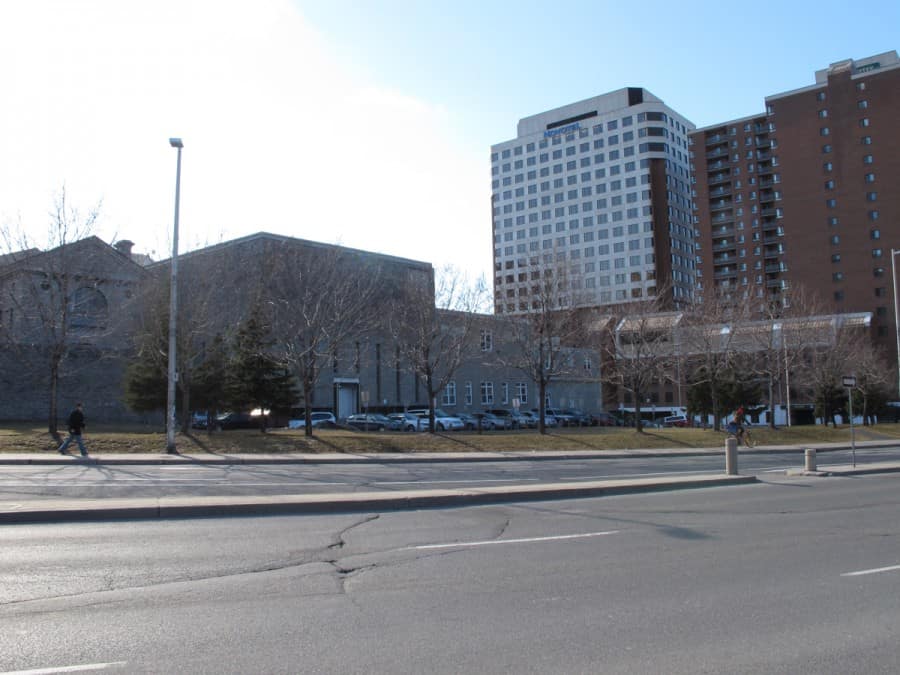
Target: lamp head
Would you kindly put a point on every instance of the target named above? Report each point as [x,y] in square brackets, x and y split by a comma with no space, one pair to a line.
[176,143]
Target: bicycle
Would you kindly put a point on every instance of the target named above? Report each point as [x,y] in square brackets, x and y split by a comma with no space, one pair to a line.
[744,436]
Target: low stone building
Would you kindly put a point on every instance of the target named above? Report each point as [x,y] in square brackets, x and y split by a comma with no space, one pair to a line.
[98,308]
[65,317]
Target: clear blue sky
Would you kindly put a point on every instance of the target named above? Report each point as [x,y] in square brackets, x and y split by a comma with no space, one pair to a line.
[348,121]
[494,62]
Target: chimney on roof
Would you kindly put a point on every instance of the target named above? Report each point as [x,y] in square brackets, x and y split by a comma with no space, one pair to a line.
[124,247]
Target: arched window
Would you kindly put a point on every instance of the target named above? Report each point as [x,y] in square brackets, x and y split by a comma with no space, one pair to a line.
[89,310]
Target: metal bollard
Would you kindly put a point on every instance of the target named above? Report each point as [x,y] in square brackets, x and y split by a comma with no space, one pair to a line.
[810,456]
[731,456]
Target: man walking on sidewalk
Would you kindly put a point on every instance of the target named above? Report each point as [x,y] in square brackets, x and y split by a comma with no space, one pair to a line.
[76,425]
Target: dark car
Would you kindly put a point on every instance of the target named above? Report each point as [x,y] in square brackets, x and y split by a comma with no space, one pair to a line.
[604,419]
[233,420]
[579,418]
[369,422]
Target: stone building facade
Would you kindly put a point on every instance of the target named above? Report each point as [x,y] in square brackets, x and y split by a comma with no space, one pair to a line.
[70,305]
[109,301]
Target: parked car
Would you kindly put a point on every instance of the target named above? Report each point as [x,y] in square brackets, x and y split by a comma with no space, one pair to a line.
[579,417]
[236,420]
[676,421]
[604,419]
[488,420]
[318,420]
[562,417]
[407,421]
[506,415]
[200,420]
[549,420]
[469,421]
[443,421]
[368,422]
[523,420]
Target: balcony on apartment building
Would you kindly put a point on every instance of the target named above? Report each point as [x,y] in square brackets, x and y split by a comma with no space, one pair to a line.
[720,231]
[771,252]
[723,245]
[718,151]
[772,268]
[725,273]
[720,191]
[718,137]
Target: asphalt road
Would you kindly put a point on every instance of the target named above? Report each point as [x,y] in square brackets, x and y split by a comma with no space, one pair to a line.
[792,575]
[91,481]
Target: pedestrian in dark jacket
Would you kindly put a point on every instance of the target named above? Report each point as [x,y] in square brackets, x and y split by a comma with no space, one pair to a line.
[76,426]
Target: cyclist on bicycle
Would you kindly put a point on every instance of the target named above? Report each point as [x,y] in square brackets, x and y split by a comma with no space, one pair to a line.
[740,417]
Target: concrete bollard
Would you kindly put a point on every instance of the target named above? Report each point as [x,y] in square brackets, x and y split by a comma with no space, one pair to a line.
[731,456]
[810,457]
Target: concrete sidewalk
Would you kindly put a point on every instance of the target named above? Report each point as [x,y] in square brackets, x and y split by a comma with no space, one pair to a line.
[54,458]
[67,510]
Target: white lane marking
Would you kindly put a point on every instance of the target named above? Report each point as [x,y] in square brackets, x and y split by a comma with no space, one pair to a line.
[67,669]
[876,570]
[529,540]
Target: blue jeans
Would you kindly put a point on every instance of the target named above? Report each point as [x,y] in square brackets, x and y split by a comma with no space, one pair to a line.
[77,438]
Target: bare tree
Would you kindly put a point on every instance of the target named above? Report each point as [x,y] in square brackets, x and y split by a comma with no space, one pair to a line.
[712,337]
[778,341]
[321,298]
[640,348]
[874,374]
[832,344]
[432,328]
[542,340]
[50,295]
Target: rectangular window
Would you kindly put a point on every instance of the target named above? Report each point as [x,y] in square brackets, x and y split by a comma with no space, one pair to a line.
[487,340]
[468,393]
[522,392]
[504,389]
[449,395]
[487,393]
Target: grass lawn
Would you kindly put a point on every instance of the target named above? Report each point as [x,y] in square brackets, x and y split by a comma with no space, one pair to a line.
[103,440]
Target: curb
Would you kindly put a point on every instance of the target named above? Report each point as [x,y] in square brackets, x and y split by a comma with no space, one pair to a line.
[58,511]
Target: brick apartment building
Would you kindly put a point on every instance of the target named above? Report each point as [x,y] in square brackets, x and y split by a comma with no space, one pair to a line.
[805,194]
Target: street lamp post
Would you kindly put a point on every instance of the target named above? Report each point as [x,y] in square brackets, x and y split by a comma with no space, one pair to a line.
[896,317]
[173,310]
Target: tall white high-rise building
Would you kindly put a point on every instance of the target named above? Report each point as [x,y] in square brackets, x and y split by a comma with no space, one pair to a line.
[600,189]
